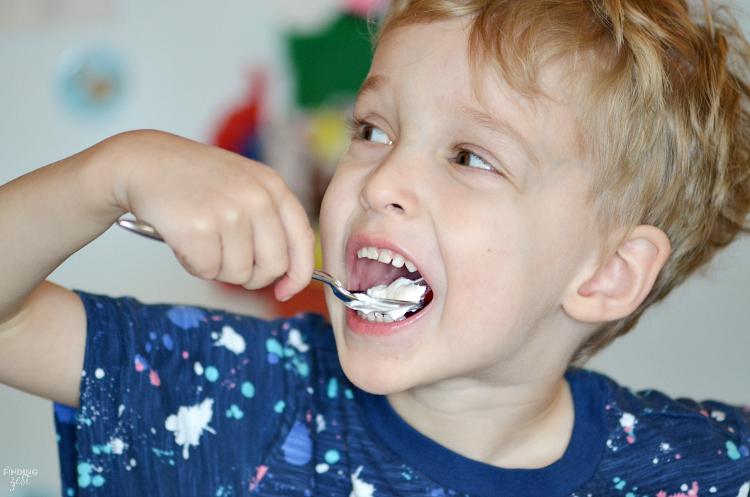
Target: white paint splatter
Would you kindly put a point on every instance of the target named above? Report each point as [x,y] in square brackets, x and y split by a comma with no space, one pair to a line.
[322,468]
[120,410]
[744,490]
[198,368]
[295,340]
[718,415]
[360,488]
[117,445]
[188,424]
[231,340]
[99,373]
[320,422]
[627,419]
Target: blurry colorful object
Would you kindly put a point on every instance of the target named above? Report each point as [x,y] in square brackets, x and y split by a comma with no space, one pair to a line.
[332,62]
[364,8]
[239,130]
[328,135]
[91,81]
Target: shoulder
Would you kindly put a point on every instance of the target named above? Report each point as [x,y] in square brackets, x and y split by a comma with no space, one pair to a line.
[201,390]
[655,438]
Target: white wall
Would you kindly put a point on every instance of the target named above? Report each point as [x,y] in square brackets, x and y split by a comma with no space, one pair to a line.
[184,61]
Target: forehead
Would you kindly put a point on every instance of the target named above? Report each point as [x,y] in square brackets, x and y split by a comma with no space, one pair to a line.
[429,70]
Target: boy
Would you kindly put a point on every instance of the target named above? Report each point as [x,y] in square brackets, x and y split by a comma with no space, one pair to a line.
[536,162]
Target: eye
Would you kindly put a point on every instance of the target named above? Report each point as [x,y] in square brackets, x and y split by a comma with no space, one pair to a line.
[470,159]
[370,133]
[373,134]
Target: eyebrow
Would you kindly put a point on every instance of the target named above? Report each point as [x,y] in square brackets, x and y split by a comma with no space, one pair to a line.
[375,84]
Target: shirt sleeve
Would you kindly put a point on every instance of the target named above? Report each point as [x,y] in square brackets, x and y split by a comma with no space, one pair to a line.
[167,392]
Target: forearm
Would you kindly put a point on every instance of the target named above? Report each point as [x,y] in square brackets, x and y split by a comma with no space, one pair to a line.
[50,213]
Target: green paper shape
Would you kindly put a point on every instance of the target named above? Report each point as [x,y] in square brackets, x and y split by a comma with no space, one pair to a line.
[332,62]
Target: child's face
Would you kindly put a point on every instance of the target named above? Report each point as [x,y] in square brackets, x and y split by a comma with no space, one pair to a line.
[486,197]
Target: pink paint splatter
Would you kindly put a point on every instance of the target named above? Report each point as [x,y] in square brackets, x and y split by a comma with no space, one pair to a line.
[138,366]
[677,456]
[693,492]
[630,439]
[262,470]
[185,354]
[155,380]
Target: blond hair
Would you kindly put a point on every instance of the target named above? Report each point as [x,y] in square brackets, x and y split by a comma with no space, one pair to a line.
[664,114]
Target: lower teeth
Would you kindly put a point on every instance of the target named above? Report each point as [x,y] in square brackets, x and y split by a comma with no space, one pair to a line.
[377,317]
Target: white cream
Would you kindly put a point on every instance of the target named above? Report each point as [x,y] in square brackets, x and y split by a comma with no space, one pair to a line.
[402,289]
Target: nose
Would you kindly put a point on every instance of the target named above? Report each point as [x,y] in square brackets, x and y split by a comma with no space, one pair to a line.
[392,187]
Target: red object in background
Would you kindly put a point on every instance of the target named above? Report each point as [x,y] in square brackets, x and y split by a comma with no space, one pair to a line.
[239,132]
[311,299]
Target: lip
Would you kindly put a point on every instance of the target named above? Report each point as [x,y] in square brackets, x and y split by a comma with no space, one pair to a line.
[359,240]
[361,326]
[364,327]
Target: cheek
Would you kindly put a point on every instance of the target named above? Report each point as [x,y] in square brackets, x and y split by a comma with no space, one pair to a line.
[333,212]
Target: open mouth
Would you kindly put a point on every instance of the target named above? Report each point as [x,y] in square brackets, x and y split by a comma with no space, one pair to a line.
[378,266]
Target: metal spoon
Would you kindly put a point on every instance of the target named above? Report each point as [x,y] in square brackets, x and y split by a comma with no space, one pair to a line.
[359,301]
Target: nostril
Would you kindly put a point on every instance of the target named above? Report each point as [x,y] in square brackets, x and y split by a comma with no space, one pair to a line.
[397,207]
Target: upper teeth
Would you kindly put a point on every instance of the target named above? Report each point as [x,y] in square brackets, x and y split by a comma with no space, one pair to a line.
[386,256]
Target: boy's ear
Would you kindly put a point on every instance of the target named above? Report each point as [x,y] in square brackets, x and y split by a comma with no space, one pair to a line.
[619,284]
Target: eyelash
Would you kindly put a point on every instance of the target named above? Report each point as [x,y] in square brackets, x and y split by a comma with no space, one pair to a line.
[358,125]
[461,150]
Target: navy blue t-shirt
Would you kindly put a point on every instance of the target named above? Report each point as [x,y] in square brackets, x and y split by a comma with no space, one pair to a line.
[188,401]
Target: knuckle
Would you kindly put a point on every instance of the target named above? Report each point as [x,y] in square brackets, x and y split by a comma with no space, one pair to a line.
[239,277]
[259,199]
[202,270]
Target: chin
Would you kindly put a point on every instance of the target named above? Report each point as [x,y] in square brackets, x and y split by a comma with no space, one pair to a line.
[377,379]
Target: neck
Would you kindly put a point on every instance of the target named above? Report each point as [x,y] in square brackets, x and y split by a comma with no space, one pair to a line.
[522,425]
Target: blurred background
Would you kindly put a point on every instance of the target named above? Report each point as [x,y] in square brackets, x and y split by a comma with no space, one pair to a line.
[269,80]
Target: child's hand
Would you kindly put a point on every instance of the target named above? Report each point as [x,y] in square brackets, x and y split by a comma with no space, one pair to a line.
[226,218]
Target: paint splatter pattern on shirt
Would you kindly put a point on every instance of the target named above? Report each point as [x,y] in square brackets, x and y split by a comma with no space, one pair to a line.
[187,401]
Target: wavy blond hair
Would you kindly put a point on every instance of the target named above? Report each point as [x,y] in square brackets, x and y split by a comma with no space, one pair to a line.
[664,113]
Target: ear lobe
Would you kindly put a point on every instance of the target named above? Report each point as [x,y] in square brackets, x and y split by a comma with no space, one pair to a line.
[621,283]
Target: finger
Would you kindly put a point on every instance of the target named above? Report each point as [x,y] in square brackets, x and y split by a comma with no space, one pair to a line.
[270,248]
[300,248]
[199,254]
[237,253]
